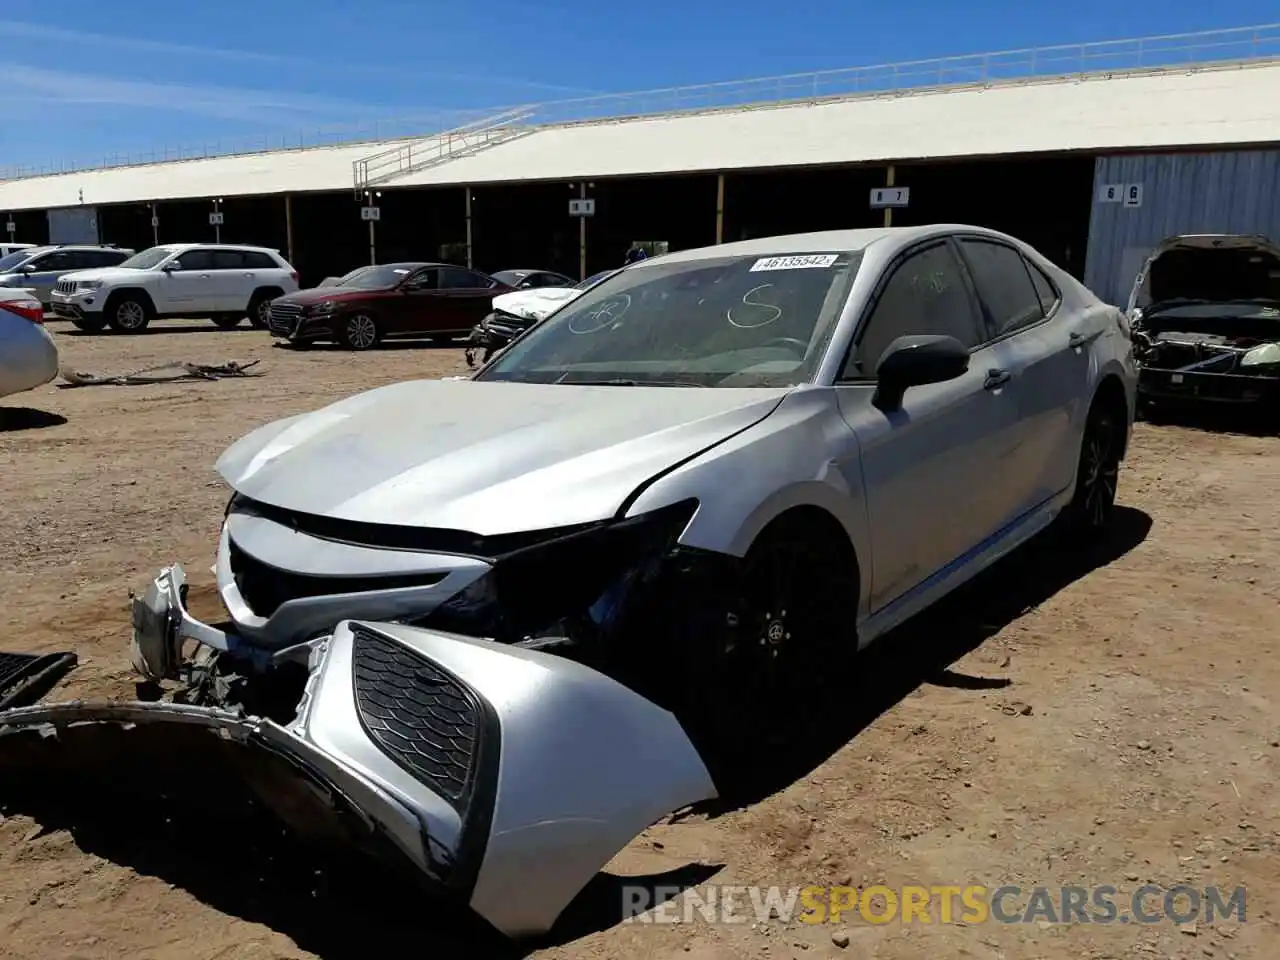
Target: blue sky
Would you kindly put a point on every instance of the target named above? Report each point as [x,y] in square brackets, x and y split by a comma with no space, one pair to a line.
[83,80]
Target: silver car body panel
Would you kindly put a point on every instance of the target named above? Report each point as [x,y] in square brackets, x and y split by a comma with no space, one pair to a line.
[562,766]
[928,495]
[28,355]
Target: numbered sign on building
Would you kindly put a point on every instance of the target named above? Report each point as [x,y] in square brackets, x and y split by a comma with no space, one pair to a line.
[1133,194]
[889,197]
[371,213]
[217,219]
[584,207]
[1111,193]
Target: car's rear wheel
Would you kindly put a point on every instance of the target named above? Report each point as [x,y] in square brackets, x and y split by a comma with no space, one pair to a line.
[1098,473]
[128,314]
[260,308]
[360,332]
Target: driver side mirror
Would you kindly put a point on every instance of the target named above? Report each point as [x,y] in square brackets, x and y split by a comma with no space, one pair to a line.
[915,361]
[171,266]
[27,269]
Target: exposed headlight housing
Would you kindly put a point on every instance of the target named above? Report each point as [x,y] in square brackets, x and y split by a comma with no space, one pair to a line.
[322,308]
[532,589]
[88,284]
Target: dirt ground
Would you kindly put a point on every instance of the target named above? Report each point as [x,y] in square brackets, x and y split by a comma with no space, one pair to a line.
[1070,719]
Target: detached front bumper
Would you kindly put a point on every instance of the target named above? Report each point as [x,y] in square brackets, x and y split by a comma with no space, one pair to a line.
[507,777]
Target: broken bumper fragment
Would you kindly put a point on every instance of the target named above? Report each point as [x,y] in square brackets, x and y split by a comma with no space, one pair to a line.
[507,776]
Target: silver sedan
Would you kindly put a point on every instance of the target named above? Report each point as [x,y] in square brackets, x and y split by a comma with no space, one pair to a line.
[28,355]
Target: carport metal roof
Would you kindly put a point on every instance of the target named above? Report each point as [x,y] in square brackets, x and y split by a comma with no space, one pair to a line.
[978,111]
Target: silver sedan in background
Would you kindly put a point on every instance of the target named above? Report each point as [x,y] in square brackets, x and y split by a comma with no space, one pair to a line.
[28,356]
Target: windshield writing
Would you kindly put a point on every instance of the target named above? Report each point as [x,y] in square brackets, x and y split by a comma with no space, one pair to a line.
[731,322]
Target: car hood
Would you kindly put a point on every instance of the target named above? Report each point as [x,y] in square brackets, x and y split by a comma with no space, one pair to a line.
[535,304]
[108,273]
[322,294]
[485,457]
[1183,279]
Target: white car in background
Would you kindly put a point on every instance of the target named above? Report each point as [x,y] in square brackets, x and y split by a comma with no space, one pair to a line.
[221,282]
[515,312]
[28,356]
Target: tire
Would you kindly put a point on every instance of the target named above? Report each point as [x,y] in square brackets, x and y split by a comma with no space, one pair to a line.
[226,321]
[128,314]
[360,331]
[1091,510]
[260,307]
[754,660]
[90,324]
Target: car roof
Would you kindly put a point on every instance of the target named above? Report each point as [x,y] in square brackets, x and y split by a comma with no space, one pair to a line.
[217,246]
[819,242]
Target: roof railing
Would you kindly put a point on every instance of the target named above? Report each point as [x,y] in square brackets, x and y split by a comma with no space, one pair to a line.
[1182,51]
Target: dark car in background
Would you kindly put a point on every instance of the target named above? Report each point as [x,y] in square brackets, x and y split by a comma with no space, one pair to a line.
[1205,313]
[435,300]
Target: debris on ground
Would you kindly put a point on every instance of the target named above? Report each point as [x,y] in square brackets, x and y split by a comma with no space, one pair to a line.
[166,373]
[26,677]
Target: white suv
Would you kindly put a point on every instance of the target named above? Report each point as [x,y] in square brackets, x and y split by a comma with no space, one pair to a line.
[223,282]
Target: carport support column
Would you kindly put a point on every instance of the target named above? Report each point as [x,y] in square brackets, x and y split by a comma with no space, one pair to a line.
[288,227]
[888,211]
[155,225]
[470,258]
[720,209]
[582,236]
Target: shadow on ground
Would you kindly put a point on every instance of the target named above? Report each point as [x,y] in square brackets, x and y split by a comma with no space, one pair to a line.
[922,651]
[182,815]
[13,419]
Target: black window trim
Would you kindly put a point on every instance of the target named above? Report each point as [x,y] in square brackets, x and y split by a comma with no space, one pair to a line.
[1028,265]
[886,275]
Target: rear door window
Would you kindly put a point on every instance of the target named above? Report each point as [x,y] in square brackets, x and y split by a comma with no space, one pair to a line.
[1004,285]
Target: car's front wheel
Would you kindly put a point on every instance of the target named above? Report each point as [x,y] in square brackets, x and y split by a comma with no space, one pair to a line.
[753,658]
[360,332]
[128,314]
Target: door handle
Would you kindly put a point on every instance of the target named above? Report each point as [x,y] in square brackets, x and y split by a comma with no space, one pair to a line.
[206,276]
[996,379]
[1082,339]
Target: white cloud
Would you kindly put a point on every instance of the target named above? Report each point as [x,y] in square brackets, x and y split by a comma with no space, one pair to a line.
[22,83]
[17,29]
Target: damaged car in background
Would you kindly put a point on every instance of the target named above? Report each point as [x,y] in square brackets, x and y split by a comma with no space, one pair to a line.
[1205,315]
[515,312]
[493,628]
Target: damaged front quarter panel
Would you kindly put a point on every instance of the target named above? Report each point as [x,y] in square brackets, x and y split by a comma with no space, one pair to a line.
[509,777]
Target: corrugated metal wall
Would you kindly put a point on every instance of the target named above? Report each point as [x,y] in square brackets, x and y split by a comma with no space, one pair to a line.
[1227,192]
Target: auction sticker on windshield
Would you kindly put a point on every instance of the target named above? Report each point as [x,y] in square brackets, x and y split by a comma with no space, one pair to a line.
[806,261]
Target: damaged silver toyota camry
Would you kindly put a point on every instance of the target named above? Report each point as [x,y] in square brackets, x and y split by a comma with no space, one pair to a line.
[470,612]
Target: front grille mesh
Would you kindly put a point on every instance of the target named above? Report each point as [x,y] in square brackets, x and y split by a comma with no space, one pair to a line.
[419,715]
[66,286]
[283,317]
[265,588]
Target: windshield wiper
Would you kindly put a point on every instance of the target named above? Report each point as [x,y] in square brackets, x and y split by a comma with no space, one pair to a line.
[624,382]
